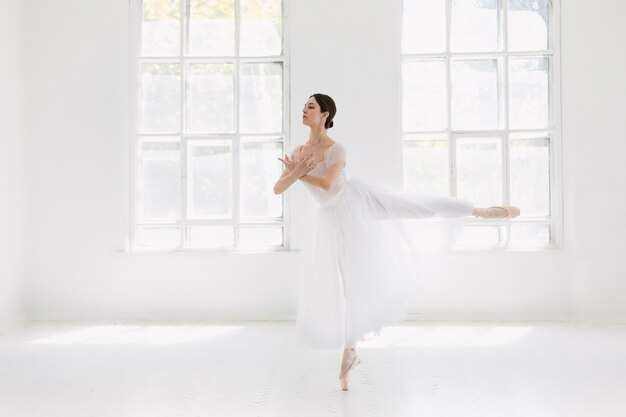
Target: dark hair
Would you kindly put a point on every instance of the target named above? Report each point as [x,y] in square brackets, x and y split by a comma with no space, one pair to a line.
[326,104]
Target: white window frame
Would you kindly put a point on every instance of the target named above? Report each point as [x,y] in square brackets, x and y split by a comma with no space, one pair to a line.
[135,21]
[555,219]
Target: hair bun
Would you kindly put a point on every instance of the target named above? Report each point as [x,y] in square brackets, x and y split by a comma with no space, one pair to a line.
[327,104]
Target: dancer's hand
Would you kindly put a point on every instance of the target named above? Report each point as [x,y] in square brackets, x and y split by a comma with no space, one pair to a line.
[305,165]
[289,164]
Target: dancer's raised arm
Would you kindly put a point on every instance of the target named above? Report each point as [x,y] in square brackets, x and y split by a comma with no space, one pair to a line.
[293,171]
[325,182]
[336,161]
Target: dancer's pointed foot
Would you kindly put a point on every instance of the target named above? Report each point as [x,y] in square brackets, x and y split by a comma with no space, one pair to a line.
[497,212]
[349,362]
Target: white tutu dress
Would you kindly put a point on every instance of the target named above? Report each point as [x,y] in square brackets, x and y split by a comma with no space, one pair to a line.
[358,274]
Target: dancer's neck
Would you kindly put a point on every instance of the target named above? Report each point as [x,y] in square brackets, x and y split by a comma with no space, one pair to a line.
[318,138]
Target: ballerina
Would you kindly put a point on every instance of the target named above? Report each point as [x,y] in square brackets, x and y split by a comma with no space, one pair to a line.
[355,281]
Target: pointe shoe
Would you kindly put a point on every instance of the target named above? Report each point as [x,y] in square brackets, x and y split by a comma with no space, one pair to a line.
[346,367]
[511,211]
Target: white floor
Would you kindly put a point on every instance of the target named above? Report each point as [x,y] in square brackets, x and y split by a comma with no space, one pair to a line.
[256,369]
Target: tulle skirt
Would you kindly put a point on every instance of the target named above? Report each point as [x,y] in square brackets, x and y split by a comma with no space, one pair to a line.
[361,268]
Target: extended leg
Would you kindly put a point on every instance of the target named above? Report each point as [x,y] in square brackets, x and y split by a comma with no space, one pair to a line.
[404,205]
[400,203]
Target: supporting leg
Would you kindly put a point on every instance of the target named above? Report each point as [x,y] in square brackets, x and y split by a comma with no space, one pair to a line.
[350,358]
[349,349]
[349,340]
[350,343]
[348,362]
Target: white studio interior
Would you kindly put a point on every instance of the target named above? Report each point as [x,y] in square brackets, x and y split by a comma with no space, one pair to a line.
[147,268]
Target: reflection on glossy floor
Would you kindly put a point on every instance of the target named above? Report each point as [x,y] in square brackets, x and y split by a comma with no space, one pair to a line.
[255,369]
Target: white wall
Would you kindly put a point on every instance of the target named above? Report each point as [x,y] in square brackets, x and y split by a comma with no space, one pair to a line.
[77,89]
[594,125]
[11,165]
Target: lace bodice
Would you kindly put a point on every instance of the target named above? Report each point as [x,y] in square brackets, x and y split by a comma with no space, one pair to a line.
[334,154]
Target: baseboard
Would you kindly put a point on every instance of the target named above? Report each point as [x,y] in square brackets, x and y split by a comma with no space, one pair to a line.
[290,317]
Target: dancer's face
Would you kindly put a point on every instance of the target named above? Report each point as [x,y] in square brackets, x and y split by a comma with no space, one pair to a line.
[312,114]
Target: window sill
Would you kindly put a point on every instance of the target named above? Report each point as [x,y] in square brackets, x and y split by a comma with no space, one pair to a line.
[144,251]
[546,248]
[456,250]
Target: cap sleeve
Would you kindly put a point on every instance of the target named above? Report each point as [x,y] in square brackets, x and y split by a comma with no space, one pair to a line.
[337,154]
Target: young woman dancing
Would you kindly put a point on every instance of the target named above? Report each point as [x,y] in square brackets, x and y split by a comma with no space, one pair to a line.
[356,279]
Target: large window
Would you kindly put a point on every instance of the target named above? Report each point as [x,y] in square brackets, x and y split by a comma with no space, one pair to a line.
[208,124]
[480,113]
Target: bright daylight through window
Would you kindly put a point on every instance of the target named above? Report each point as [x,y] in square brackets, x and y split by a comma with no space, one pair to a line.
[480,113]
[209,124]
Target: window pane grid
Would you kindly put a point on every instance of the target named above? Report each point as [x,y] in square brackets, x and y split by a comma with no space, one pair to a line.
[519,98]
[206,114]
